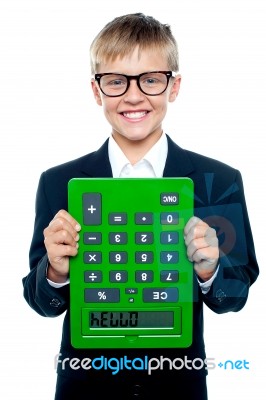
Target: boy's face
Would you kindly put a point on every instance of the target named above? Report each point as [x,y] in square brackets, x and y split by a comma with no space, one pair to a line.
[135,116]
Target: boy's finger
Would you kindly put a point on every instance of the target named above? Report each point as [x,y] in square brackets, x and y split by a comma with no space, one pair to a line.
[58,225]
[65,215]
[193,221]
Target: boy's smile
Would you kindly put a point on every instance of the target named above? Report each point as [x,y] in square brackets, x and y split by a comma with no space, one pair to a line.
[136,118]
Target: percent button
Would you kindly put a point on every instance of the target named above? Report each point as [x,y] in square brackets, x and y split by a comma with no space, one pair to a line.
[108,295]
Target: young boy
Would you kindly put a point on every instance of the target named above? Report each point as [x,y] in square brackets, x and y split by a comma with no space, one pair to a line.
[134,62]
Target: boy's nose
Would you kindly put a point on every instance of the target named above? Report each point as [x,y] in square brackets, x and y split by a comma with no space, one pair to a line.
[133,94]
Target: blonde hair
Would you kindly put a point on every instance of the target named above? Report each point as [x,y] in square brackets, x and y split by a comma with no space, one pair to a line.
[120,37]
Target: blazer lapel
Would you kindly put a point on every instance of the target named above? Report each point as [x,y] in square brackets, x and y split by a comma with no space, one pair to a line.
[178,163]
[98,164]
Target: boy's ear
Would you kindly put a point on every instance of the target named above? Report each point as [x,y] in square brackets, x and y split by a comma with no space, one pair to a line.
[175,89]
[96,92]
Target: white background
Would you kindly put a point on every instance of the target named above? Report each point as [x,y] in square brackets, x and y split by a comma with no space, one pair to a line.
[48,116]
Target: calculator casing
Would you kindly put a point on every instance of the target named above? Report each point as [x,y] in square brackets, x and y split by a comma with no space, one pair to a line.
[130,197]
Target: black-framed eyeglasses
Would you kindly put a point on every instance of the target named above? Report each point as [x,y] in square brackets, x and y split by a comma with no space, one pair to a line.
[151,83]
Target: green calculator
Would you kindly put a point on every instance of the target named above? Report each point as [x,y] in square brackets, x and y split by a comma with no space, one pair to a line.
[131,284]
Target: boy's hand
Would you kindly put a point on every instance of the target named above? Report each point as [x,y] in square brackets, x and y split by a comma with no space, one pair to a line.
[202,247]
[60,239]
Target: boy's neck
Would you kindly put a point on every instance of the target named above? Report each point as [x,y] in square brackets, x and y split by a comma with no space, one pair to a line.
[135,150]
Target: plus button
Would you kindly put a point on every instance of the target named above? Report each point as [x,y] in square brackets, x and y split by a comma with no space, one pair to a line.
[91,209]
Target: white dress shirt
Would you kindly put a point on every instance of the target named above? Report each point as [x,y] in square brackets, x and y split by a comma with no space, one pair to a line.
[151,166]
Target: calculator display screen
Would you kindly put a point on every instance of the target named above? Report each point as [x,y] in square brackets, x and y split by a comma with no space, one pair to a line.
[131,319]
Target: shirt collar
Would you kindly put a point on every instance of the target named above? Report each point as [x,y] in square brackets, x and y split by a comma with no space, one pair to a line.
[156,156]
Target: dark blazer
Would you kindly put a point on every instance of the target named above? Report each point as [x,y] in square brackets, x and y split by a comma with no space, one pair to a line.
[219,200]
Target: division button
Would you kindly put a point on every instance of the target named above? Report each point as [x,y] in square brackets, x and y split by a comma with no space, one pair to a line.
[93,276]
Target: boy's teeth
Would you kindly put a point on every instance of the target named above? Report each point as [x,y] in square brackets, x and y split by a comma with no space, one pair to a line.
[135,114]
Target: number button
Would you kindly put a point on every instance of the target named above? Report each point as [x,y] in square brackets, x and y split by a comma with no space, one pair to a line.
[169,257]
[144,237]
[144,276]
[169,218]
[169,237]
[169,276]
[118,276]
[118,238]
[142,257]
[118,257]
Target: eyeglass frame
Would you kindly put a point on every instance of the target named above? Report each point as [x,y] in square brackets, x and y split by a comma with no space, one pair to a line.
[168,74]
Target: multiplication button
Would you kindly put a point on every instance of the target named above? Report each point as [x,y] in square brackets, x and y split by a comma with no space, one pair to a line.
[92,257]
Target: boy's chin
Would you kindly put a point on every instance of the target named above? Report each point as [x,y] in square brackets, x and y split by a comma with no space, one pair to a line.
[137,136]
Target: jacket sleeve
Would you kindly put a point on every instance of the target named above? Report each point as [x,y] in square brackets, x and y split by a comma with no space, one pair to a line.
[238,268]
[40,295]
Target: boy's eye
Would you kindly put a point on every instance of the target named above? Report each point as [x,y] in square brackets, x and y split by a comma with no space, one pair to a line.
[114,81]
[150,81]
[153,80]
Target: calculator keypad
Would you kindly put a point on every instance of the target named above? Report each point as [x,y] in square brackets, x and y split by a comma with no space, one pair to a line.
[149,232]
